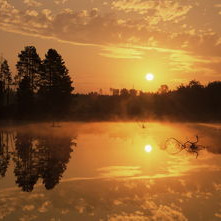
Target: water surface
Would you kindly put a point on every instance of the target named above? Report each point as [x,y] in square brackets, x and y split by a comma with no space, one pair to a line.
[109,171]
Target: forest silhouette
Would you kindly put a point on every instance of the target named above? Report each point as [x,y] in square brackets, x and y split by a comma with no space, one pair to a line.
[42,90]
[34,158]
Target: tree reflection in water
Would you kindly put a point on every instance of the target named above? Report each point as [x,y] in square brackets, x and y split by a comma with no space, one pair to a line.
[35,157]
[4,153]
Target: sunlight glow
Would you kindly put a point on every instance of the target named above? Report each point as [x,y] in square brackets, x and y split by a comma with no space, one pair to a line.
[148,148]
[149,76]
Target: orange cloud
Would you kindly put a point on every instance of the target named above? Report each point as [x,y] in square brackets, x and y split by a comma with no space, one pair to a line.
[155,11]
[32,3]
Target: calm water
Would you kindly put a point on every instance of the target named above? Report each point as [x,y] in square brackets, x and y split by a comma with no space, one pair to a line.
[109,171]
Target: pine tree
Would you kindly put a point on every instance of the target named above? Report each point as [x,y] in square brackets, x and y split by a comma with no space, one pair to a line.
[56,85]
[5,80]
[29,65]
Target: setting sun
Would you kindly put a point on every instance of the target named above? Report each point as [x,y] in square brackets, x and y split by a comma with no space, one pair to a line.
[148,148]
[149,76]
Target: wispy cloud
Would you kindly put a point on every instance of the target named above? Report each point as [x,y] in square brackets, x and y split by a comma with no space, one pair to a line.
[155,11]
[31,13]
[32,3]
[120,52]
[60,2]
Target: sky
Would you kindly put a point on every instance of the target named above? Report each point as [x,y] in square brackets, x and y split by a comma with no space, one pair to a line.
[114,43]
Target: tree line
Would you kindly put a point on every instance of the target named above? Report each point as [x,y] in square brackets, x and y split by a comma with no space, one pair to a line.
[41,87]
[42,90]
[190,102]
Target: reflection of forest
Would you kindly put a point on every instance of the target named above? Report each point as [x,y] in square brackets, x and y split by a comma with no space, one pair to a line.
[4,153]
[35,157]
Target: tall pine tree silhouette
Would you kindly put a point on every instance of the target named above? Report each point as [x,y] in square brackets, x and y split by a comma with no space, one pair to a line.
[5,80]
[28,66]
[55,85]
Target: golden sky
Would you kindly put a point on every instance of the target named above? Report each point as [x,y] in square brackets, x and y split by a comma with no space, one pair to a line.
[114,43]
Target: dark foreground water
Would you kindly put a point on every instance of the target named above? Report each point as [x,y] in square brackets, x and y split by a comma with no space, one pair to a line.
[109,171]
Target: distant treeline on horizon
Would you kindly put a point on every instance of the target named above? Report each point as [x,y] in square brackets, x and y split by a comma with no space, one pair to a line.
[42,90]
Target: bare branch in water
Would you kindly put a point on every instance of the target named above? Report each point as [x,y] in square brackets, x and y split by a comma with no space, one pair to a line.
[174,146]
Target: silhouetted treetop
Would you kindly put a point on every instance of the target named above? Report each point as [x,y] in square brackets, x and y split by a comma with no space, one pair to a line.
[124,92]
[195,84]
[163,89]
[55,85]
[55,76]
[5,74]
[5,82]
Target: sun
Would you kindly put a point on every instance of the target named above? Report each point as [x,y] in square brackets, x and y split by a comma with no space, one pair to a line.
[148,148]
[149,76]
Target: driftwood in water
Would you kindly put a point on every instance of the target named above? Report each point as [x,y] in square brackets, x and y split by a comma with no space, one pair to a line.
[174,146]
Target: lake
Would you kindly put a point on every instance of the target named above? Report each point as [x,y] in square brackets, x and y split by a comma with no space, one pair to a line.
[110,171]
